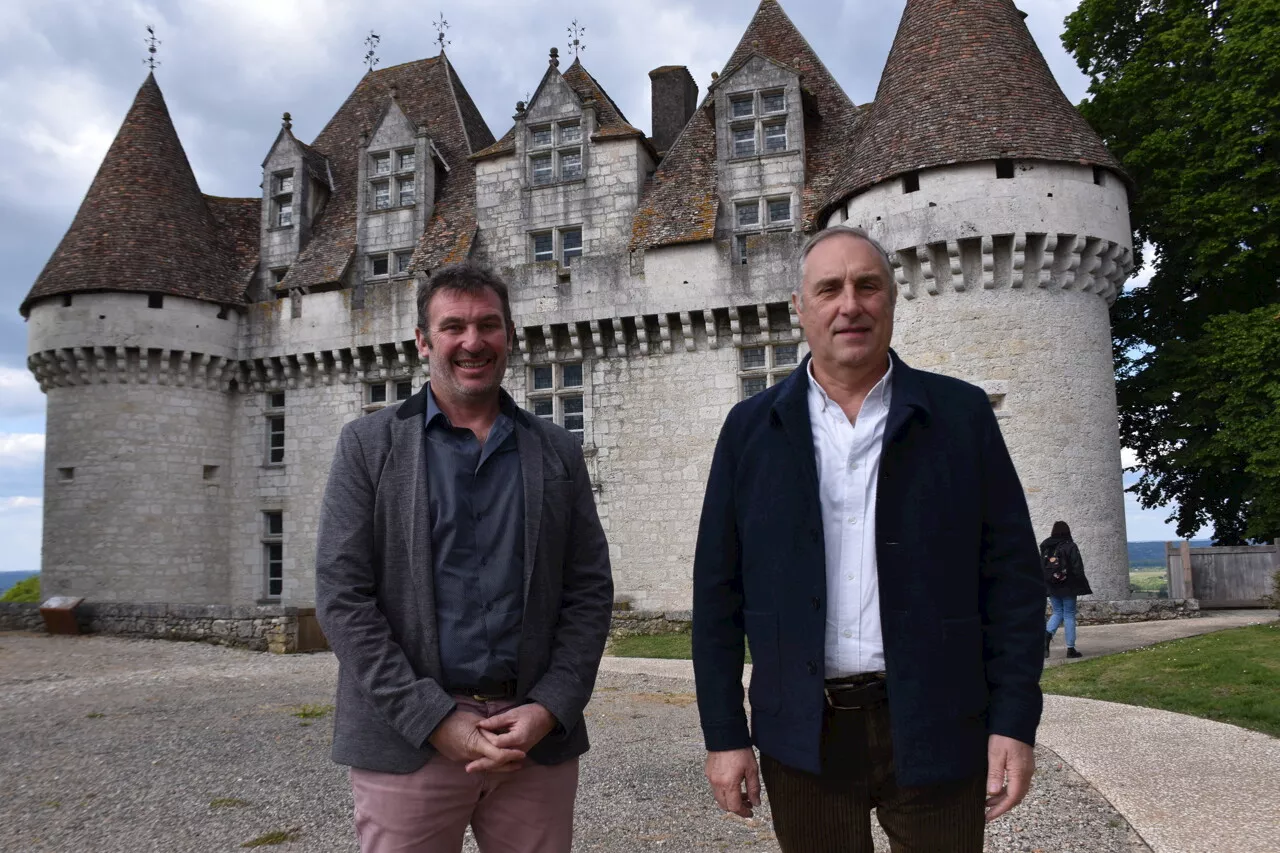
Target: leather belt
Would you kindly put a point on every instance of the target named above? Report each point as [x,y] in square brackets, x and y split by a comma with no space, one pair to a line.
[855,692]
[487,693]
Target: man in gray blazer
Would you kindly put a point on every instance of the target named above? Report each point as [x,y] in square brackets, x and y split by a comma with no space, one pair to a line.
[462,579]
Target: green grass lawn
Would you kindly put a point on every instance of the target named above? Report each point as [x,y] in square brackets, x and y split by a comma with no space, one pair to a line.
[1229,676]
[666,646]
[1148,581]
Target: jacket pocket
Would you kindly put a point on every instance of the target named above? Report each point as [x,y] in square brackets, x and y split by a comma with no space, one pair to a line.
[966,664]
[765,692]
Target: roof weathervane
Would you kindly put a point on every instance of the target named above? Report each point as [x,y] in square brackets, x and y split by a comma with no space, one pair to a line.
[371,55]
[575,38]
[441,25]
[152,42]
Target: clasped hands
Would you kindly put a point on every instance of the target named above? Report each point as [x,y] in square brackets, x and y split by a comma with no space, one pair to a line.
[499,743]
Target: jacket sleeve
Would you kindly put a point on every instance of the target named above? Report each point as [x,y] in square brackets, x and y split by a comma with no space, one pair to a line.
[1077,562]
[347,604]
[586,608]
[1012,590]
[718,637]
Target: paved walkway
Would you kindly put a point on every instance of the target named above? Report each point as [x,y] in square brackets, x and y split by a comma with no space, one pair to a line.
[1186,785]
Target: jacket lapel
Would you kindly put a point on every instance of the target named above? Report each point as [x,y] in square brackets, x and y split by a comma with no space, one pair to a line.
[407,465]
[529,446]
[907,400]
[792,411]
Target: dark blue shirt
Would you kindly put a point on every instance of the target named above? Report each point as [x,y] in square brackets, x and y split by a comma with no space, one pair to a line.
[477,547]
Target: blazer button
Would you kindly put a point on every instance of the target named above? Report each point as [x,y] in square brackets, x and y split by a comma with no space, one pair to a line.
[817,603]
[813,668]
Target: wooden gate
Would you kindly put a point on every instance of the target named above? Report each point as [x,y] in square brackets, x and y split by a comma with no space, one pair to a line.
[1222,577]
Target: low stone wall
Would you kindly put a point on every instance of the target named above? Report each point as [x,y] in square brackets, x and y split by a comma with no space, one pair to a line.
[1134,610]
[634,623]
[278,629]
[16,616]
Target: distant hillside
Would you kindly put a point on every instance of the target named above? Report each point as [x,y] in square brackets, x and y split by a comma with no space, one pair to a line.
[8,579]
[1150,555]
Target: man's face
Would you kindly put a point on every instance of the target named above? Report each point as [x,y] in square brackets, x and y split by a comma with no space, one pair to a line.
[847,305]
[466,345]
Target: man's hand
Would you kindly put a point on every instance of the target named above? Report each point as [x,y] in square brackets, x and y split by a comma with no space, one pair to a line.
[1010,765]
[727,772]
[459,738]
[519,728]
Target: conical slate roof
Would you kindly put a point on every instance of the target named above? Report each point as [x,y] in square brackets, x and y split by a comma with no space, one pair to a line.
[965,82]
[144,225]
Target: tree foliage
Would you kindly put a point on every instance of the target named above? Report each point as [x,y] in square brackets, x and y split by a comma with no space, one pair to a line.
[24,591]
[1186,94]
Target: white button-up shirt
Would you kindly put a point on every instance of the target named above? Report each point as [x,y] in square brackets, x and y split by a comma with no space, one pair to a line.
[848,457]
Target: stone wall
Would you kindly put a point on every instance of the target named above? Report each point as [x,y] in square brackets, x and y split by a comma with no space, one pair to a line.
[1135,610]
[280,630]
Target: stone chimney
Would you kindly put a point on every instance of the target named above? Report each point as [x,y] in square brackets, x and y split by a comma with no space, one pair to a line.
[675,97]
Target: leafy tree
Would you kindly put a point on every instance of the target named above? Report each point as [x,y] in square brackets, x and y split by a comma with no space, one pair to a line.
[1186,93]
[26,591]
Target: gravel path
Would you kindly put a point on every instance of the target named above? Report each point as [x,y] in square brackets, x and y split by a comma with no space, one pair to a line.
[139,745]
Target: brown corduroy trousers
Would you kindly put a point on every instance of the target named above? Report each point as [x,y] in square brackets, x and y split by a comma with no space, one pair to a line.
[831,812]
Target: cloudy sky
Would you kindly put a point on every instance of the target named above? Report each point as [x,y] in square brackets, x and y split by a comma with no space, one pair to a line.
[70,68]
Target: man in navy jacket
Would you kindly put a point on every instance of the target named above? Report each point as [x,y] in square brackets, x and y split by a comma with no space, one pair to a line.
[864,528]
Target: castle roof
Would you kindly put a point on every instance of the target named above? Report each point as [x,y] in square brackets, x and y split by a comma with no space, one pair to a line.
[431,96]
[144,225]
[610,122]
[964,82]
[681,201]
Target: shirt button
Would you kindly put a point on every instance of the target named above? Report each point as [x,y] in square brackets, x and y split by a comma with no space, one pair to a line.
[848,633]
[853,466]
[849,576]
[853,520]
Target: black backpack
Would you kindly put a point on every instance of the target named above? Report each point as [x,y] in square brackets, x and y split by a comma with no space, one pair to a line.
[1053,560]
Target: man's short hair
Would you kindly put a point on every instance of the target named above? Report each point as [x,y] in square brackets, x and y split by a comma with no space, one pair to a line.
[835,231]
[468,278]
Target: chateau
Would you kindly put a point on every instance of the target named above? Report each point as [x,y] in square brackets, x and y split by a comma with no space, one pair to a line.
[201,354]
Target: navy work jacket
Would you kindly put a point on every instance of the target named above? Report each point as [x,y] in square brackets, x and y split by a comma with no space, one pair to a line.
[961,593]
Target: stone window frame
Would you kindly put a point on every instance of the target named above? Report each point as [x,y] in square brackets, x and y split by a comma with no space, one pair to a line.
[273,411]
[757,122]
[282,198]
[771,368]
[277,275]
[554,151]
[390,261]
[762,223]
[558,248]
[384,392]
[559,400]
[389,184]
[272,554]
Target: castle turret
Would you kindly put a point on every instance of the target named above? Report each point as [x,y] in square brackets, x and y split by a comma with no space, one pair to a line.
[1010,221]
[133,336]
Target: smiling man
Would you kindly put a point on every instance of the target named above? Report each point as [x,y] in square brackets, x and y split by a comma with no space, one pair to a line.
[463,580]
[865,530]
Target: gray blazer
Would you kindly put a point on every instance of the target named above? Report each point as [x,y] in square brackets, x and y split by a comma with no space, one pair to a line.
[375,596]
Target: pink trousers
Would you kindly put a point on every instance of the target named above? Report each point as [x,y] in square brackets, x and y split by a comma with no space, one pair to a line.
[427,811]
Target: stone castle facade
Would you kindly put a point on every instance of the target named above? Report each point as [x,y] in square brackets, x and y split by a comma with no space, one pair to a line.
[201,354]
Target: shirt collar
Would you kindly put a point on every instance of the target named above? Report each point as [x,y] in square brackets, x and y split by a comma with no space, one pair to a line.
[506,406]
[881,390]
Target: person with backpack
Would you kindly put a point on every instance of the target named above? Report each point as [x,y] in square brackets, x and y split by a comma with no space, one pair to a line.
[1064,577]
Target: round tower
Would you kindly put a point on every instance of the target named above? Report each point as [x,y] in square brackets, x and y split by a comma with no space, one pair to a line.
[132,339]
[1010,221]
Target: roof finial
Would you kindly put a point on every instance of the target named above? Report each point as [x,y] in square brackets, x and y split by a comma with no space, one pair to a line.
[442,25]
[287,121]
[555,57]
[575,38]
[151,40]
[371,55]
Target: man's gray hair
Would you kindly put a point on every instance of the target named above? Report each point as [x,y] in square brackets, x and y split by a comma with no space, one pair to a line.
[835,231]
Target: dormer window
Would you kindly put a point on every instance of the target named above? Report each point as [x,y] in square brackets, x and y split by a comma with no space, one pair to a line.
[282,199]
[402,262]
[564,163]
[388,189]
[378,266]
[758,122]
[751,216]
